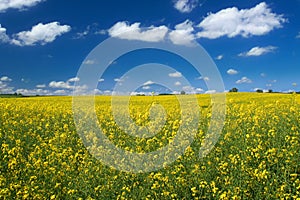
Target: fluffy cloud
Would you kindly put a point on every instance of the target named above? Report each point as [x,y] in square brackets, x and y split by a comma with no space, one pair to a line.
[5,78]
[40,34]
[75,79]
[244,80]
[60,84]
[17,4]
[3,36]
[232,22]
[258,51]
[183,34]
[175,75]
[123,30]
[4,85]
[185,6]
[232,72]
[30,92]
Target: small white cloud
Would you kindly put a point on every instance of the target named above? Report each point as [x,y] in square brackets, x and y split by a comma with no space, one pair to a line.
[101,80]
[258,51]
[232,22]
[183,34]
[294,84]
[75,79]
[244,80]
[219,57]
[185,6]
[33,92]
[5,88]
[148,82]
[5,78]
[123,30]
[60,84]
[205,78]
[3,36]
[41,86]
[177,83]
[175,75]
[269,85]
[199,90]
[298,36]
[89,62]
[17,4]
[118,80]
[147,87]
[40,34]
[232,72]
[210,92]
[61,92]
[262,74]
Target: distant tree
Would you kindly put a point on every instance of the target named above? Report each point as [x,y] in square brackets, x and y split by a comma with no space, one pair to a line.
[182,92]
[259,91]
[234,90]
[270,91]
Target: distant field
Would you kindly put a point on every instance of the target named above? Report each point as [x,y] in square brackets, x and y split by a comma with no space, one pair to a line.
[256,157]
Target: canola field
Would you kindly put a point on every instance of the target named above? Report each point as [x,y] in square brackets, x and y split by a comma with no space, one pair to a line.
[256,157]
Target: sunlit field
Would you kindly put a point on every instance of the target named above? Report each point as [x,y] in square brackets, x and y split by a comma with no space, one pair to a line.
[256,157]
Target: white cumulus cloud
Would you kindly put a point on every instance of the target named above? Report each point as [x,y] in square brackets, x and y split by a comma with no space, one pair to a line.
[40,34]
[149,82]
[183,34]
[232,72]
[75,79]
[258,51]
[123,30]
[232,22]
[5,78]
[185,6]
[175,75]
[3,36]
[17,4]
[244,80]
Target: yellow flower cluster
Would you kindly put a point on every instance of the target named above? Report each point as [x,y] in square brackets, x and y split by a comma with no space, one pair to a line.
[256,157]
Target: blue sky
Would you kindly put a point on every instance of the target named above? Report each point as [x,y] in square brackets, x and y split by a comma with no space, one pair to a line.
[255,44]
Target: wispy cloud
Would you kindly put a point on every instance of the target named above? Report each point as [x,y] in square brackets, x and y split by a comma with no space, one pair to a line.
[258,51]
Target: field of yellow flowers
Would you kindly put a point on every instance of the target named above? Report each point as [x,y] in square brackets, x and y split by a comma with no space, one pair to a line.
[256,157]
